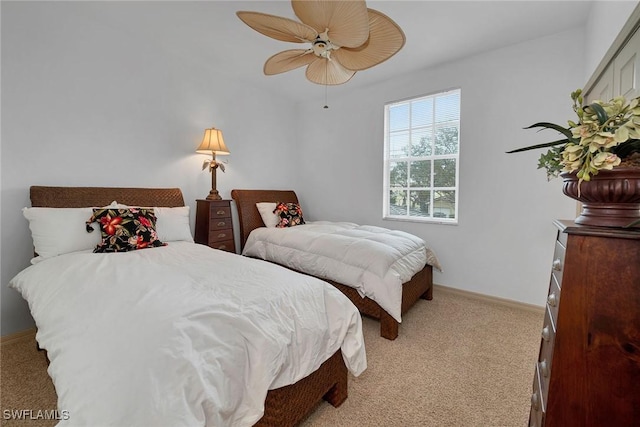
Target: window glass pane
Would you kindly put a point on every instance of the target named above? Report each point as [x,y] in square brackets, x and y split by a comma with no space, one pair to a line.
[421,173]
[419,201]
[399,117]
[421,142]
[444,173]
[398,174]
[444,204]
[446,140]
[398,202]
[399,144]
[422,112]
[448,107]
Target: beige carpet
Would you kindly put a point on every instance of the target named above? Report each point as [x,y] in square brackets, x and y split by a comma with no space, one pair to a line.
[458,361]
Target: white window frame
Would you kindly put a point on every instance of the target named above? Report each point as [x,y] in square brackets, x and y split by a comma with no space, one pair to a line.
[387,160]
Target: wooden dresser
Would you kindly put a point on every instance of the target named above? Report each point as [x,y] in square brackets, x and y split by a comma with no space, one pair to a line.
[213,224]
[588,369]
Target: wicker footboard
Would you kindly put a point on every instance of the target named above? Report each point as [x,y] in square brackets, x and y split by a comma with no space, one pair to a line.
[419,287]
[287,406]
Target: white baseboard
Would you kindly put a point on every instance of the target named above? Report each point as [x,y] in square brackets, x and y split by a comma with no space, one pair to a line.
[29,334]
[502,301]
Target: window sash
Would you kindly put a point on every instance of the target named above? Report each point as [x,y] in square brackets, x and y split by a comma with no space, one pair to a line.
[399,148]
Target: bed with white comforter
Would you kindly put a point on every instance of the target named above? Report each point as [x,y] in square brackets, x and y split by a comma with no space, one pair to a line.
[181,335]
[374,260]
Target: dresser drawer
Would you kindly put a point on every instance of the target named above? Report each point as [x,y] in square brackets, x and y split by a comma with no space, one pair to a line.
[553,300]
[557,267]
[545,357]
[537,414]
[220,235]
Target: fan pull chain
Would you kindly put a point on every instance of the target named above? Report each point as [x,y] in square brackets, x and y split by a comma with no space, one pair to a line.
[325,97]
[326,66]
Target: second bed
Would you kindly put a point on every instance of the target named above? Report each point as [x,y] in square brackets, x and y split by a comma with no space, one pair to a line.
[418,284]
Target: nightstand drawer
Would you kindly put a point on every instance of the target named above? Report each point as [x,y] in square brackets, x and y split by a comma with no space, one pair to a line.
[220,212]
[220,235]
[227,245]
[219,224]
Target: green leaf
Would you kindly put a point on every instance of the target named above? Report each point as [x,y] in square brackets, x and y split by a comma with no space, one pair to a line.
[566,132]
[602,115]
[544,145]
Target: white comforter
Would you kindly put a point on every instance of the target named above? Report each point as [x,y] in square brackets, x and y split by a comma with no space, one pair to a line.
[181,335]
[376,261]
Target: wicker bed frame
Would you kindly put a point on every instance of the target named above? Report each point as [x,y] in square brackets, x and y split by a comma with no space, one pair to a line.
[419,287]
[285,406]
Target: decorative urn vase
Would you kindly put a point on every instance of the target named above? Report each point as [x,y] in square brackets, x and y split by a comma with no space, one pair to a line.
[610,199]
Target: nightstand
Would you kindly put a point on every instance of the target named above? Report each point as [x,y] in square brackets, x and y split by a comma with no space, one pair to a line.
[213,224]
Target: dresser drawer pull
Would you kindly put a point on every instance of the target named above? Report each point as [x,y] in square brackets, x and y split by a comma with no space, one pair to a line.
[557,264]
[546,335]
[222,223]
[535,401]
[221,235]
[220,213]
[544,368]
[222,247]
[552,299]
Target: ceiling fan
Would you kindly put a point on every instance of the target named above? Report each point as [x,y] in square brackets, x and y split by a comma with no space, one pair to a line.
[345,37]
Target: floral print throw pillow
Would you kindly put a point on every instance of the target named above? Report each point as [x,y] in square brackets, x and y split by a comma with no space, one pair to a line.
[125,229]
[290,214]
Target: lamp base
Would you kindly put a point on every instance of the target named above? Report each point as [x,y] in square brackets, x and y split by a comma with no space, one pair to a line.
[213,195]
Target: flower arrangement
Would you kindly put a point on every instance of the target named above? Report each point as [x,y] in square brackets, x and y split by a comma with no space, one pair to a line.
[606,135]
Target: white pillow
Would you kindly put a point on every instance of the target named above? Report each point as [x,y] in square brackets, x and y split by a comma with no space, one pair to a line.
[266,212]
[172,224]
[57,231]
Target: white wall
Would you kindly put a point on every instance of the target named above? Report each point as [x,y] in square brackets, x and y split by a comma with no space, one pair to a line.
[503,245]
[604,23]
[86,104]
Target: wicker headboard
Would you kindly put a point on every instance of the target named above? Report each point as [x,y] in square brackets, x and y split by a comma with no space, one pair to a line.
[248,214]
[83,197]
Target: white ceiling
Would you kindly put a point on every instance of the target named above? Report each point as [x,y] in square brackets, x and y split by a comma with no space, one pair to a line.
[210,34]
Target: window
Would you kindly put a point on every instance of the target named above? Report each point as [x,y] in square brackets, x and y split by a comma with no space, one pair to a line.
[421,146]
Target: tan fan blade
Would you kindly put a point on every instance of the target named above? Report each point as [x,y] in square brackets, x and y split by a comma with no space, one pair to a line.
[347,21]
[328,72]
[288,60]
[385,40]
[278,28]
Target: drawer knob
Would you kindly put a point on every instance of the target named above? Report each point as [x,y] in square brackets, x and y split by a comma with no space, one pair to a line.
[544,368]
[222,247]
[535,401]
[220,212]
[221,235]
[221,223]
[552,299]
[546,335]
[557,264]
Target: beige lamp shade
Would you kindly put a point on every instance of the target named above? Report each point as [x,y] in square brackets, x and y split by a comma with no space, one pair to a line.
[212,141]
